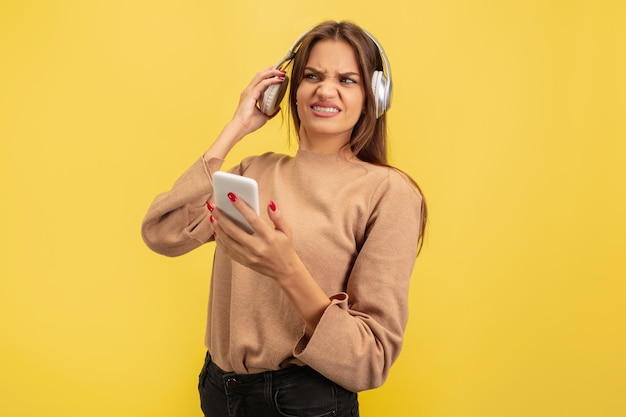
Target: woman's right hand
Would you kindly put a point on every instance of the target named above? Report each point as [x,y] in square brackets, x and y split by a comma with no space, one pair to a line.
[248,116]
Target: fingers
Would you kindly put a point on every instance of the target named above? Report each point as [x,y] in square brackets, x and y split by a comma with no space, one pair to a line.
[228,242]
[248,113]
[230,227]
[262,80]
[250,216]
[278,219]
[220,222]
[259,226]
[226,232]
[267,74]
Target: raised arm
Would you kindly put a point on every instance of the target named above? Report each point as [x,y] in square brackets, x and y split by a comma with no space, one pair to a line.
[175,222]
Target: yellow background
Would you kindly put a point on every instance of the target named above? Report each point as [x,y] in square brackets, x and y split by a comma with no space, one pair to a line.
[510,114]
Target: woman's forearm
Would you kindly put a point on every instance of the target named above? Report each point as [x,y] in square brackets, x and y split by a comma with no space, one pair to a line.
[305,294]
[225,141]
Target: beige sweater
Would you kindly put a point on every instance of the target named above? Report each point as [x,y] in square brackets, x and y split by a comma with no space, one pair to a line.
[356,228]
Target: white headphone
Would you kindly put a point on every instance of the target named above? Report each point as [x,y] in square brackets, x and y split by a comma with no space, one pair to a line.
[381,84]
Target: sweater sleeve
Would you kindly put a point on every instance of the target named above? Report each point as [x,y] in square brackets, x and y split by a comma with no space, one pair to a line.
[360,334]
[177,221]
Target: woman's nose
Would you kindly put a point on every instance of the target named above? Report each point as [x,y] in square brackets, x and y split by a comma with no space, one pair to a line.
[326,89]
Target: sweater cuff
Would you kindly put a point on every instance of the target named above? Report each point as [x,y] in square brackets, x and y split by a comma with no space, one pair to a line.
[211,165]
[317,345]
[202,230]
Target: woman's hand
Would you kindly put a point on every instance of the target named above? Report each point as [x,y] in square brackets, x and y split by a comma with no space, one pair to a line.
[269,250]
[248,116]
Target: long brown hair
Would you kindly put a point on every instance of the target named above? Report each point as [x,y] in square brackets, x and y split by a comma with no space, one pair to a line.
[368,140]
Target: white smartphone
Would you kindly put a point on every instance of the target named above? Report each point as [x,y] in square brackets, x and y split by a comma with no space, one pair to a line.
[244,188]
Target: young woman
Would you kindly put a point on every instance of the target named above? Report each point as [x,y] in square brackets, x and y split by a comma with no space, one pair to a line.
[311,307]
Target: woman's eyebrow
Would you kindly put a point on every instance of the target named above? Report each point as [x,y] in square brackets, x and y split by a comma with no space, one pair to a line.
[343,74]
[315,70]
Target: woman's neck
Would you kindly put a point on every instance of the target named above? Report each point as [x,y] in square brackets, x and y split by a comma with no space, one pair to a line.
[325,144]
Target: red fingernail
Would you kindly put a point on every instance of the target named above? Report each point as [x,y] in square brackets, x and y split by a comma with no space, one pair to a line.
[210,206]
[214,234]
[272,206]
[232,197]
[212,219]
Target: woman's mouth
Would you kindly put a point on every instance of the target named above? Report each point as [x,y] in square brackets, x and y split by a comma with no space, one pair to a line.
[322,109]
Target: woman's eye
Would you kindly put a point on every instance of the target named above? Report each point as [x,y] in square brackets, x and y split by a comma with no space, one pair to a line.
[348,80]
[310,76]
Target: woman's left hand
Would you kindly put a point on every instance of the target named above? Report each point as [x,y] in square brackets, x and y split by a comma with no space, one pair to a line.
[269,250]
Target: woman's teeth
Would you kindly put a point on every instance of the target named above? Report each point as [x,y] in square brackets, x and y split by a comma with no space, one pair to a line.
[325,109]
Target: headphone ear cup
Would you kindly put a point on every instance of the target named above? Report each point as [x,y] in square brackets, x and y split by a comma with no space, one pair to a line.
[380,88]
[270,100]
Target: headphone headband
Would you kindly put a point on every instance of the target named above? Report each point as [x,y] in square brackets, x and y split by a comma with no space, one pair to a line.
[292,53]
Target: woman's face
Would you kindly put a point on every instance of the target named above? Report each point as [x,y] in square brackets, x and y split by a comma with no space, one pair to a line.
[330,97]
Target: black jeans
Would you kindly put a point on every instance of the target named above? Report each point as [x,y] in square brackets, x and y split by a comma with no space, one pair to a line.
[294,391]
